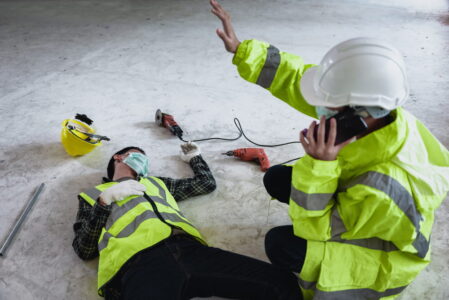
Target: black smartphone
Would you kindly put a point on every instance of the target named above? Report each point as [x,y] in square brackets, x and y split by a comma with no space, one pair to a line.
[349,124]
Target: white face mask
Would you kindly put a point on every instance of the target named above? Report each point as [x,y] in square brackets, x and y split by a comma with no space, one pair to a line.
[324,111]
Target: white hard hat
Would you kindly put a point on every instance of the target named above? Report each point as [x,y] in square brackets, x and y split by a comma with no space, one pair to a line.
[360,71]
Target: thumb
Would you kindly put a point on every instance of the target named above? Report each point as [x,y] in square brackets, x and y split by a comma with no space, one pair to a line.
[222,35]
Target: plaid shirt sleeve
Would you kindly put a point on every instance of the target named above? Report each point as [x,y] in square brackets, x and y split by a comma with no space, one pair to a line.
[89,222]
[202,183]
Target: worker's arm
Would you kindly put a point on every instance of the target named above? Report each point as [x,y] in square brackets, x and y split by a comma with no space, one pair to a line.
[89,222]
[264,64]
[278,72]
[201,183]
[314,183]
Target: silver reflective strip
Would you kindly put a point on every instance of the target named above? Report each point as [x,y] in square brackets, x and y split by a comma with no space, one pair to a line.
[310,201]
[270,67]
[118,211]
[337,225]
[161,190]
[371,243]
[163,194]
[338,228]
[93,193]
[356,294]
[175,218]
[128,230]
[421,245]
[308,285]
[401,197]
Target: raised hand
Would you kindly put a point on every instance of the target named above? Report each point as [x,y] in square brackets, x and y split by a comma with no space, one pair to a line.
[228,35]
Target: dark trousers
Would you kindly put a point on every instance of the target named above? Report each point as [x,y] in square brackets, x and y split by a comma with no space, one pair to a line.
[182,268]
[282,247]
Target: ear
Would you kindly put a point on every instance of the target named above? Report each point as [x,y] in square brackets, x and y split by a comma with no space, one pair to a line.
[117,158]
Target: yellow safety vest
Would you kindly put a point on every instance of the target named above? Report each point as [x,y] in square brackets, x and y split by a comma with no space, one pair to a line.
[368,215]
[133,225]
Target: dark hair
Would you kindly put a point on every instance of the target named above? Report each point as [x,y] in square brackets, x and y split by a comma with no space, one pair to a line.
[111,165]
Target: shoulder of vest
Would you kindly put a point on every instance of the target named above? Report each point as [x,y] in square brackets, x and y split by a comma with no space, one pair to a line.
[91,195]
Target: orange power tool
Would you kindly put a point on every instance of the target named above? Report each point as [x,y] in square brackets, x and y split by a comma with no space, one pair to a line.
[251,154]
[168,121]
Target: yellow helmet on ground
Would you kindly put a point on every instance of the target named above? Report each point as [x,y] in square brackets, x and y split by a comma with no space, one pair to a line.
[78,138]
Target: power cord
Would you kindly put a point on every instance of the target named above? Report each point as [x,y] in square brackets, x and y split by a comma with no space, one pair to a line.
[242,133]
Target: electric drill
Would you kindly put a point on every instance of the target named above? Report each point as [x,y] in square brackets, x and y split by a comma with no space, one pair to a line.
[169,122]
[251,154]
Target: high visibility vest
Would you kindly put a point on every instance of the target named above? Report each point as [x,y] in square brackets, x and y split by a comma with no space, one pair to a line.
[367,216]
[133,225]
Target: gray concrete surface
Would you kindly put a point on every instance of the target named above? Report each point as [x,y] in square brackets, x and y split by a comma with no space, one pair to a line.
[118,61]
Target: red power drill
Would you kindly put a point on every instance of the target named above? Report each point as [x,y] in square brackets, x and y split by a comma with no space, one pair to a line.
[167,121]
[248,154]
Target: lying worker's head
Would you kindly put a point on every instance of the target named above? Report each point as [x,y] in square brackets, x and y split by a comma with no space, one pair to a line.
[130,158]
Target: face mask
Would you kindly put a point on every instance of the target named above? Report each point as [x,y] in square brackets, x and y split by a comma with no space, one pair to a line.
[138,162]
[326,112]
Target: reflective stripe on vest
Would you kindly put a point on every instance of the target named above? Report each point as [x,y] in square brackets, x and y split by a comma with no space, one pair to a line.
[357,294]
[128,230]
[119,211]
[338,228]
[353,294]
[401,198]
[162,199]
[270,67]
[310,201]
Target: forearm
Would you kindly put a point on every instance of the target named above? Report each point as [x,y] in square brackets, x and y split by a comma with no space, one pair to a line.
[89,223]
[314,184]
[203,182]
[279,72]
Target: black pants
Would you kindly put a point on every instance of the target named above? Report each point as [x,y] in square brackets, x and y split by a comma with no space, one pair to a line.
[282,247]
[182,268]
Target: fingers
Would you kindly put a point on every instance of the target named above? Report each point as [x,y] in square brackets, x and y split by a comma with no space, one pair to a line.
[137,186]
[218,10]
[222,36]
[304,143]
[321,130]
[310,134]
[332,133]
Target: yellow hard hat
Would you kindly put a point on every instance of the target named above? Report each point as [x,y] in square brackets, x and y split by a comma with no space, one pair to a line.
[78,138]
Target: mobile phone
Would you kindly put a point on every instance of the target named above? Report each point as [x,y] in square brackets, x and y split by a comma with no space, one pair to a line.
[349,124]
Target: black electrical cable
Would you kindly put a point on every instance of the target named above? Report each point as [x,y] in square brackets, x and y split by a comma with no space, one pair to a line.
[286,162]
[241,133]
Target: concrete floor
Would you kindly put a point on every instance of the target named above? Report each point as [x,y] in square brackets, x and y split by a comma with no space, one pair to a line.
[118,61]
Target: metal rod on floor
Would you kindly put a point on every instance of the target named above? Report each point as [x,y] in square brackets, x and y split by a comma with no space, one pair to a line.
[19,222]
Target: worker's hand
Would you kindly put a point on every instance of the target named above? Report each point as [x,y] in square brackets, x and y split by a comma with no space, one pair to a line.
[319,148]
[121,191]
[228,35]
[188,151]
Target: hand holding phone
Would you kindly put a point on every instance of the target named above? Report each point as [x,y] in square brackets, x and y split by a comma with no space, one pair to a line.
[349,124]
[325,142]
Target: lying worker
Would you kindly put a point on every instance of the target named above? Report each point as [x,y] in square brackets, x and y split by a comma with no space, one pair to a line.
[149,250]
[362,212]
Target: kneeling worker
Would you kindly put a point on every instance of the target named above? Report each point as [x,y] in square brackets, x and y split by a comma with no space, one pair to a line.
[362,212]
[149,250]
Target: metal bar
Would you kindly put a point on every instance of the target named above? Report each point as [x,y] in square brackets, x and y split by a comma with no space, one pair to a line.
[19,222]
